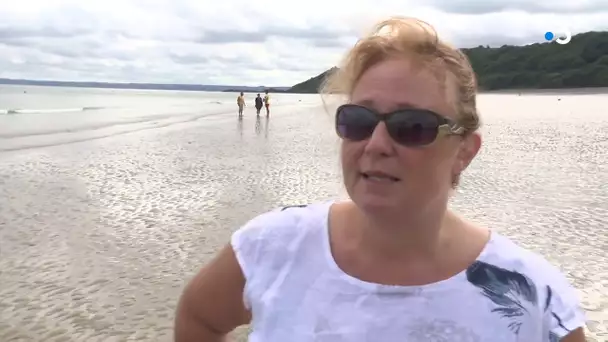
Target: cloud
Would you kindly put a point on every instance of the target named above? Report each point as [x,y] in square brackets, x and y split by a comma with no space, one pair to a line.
[494,6]
[262,34]
[264,42]
[188,58]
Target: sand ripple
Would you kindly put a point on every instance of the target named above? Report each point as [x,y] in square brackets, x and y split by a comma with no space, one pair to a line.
[98,238]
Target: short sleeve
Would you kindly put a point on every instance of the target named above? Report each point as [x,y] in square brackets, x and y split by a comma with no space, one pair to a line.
[240,246]
[562,307]
[247,244]
[258,245]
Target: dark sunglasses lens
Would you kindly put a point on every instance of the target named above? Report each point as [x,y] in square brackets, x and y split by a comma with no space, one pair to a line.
[413,127]
[355,123]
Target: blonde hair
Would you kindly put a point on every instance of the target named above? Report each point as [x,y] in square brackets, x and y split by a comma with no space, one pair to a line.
[418,40]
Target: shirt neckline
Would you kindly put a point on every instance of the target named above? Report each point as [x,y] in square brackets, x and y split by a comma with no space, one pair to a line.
[383,288]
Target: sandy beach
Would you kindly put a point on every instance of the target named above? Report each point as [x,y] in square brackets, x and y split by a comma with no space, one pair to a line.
[98,237]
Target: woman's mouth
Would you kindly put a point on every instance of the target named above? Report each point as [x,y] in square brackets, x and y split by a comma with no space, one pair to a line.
[378,176]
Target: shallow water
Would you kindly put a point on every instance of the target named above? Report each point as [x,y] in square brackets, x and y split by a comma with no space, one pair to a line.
[34,116]
[97,238]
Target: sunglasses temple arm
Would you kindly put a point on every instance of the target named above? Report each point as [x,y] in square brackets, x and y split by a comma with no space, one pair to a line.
[453,129]
[457,130]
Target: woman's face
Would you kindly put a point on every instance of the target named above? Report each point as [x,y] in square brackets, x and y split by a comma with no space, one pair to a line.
[419,176]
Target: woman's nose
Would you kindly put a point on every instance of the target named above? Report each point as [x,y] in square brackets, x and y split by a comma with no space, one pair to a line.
[380,142]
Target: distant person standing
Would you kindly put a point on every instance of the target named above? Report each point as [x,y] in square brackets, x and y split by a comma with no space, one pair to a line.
[267,103]
[240,101]
[258,104]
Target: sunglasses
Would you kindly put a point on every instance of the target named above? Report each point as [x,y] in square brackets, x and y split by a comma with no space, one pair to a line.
[407,127]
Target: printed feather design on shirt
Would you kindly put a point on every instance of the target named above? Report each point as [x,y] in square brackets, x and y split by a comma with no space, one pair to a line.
[294,206]
[553,337]
[512,292]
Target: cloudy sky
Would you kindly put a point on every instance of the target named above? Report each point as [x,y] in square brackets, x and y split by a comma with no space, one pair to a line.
[244,42]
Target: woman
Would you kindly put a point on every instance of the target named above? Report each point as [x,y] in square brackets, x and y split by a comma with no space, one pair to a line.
[240,101]
[258,104]
[393,263]
[267,102]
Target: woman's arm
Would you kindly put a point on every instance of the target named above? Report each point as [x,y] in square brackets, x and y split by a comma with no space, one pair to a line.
[212,304]
[577,335]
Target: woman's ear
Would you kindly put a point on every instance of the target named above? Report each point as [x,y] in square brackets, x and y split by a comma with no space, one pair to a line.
[467,151]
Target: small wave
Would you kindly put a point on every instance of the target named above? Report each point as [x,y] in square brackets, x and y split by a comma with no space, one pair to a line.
[99,132]
[153,119]
[90,127]
[47,110]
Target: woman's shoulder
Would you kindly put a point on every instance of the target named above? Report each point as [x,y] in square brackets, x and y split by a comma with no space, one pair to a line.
[278,232]
[506,253]
[508,268]
[283,221]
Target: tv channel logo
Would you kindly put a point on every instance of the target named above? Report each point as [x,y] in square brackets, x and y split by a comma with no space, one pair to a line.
[560,37]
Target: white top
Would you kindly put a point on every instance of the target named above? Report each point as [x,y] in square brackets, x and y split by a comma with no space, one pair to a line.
[297,292]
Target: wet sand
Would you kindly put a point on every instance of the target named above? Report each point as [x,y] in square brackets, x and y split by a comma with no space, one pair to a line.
[98,238]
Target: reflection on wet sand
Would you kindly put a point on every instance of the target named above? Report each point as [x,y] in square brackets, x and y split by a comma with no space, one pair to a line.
[258,129]
[240,126]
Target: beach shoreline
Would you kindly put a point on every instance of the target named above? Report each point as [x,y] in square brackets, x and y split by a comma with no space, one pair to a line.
[554,91]
[283,90]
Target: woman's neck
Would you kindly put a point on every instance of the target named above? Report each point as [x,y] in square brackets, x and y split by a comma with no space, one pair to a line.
[403,236]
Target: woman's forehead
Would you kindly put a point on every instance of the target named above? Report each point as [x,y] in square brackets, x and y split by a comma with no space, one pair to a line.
[396,84]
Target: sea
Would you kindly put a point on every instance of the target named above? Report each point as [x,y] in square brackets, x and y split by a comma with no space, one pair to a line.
[110,200]
[36,116]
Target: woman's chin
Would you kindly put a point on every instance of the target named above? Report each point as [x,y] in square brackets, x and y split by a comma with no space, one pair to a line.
[374,204]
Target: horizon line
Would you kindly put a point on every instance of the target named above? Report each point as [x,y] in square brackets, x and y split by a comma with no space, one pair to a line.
[127,83]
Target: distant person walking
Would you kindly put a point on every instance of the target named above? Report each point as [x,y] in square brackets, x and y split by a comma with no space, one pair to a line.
[267,103]
[258,104]
[240,101]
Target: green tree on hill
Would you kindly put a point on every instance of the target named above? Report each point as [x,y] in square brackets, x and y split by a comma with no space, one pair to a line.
[581,63]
